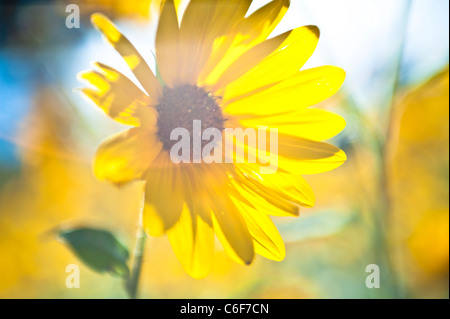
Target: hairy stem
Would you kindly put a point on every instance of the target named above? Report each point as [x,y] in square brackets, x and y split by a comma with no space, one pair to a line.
[133,280]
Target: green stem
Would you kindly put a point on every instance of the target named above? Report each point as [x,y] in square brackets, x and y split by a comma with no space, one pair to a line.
[383,148]
[133,280]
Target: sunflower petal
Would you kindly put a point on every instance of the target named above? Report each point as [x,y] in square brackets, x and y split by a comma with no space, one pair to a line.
[266,238]
[312,124]
[197,197]
[227,15]
[292,188]
[281,65]
[202,23]
[195,42]
[228,224]
[249,60]
[233,233]
[118,97]
[246,34]
[164,196]
[293,155]
[270,203]
[305,89]
[302,156]
[166,45]
[125,157]
[192,240]
[129,53]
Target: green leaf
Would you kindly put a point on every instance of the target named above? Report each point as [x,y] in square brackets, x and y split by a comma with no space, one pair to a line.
[98,249]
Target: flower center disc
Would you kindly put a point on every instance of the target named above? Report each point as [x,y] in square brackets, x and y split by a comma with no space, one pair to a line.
[180,106]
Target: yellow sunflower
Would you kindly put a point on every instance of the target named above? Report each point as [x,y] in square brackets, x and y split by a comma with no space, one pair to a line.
[217,65]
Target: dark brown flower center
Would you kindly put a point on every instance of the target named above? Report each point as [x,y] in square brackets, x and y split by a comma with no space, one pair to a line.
[180,106]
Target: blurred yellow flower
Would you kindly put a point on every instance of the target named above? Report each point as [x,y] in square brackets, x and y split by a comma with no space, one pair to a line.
[420,172]
[218,66]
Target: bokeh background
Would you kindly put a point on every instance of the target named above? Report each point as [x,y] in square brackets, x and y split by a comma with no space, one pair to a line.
[388,205]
